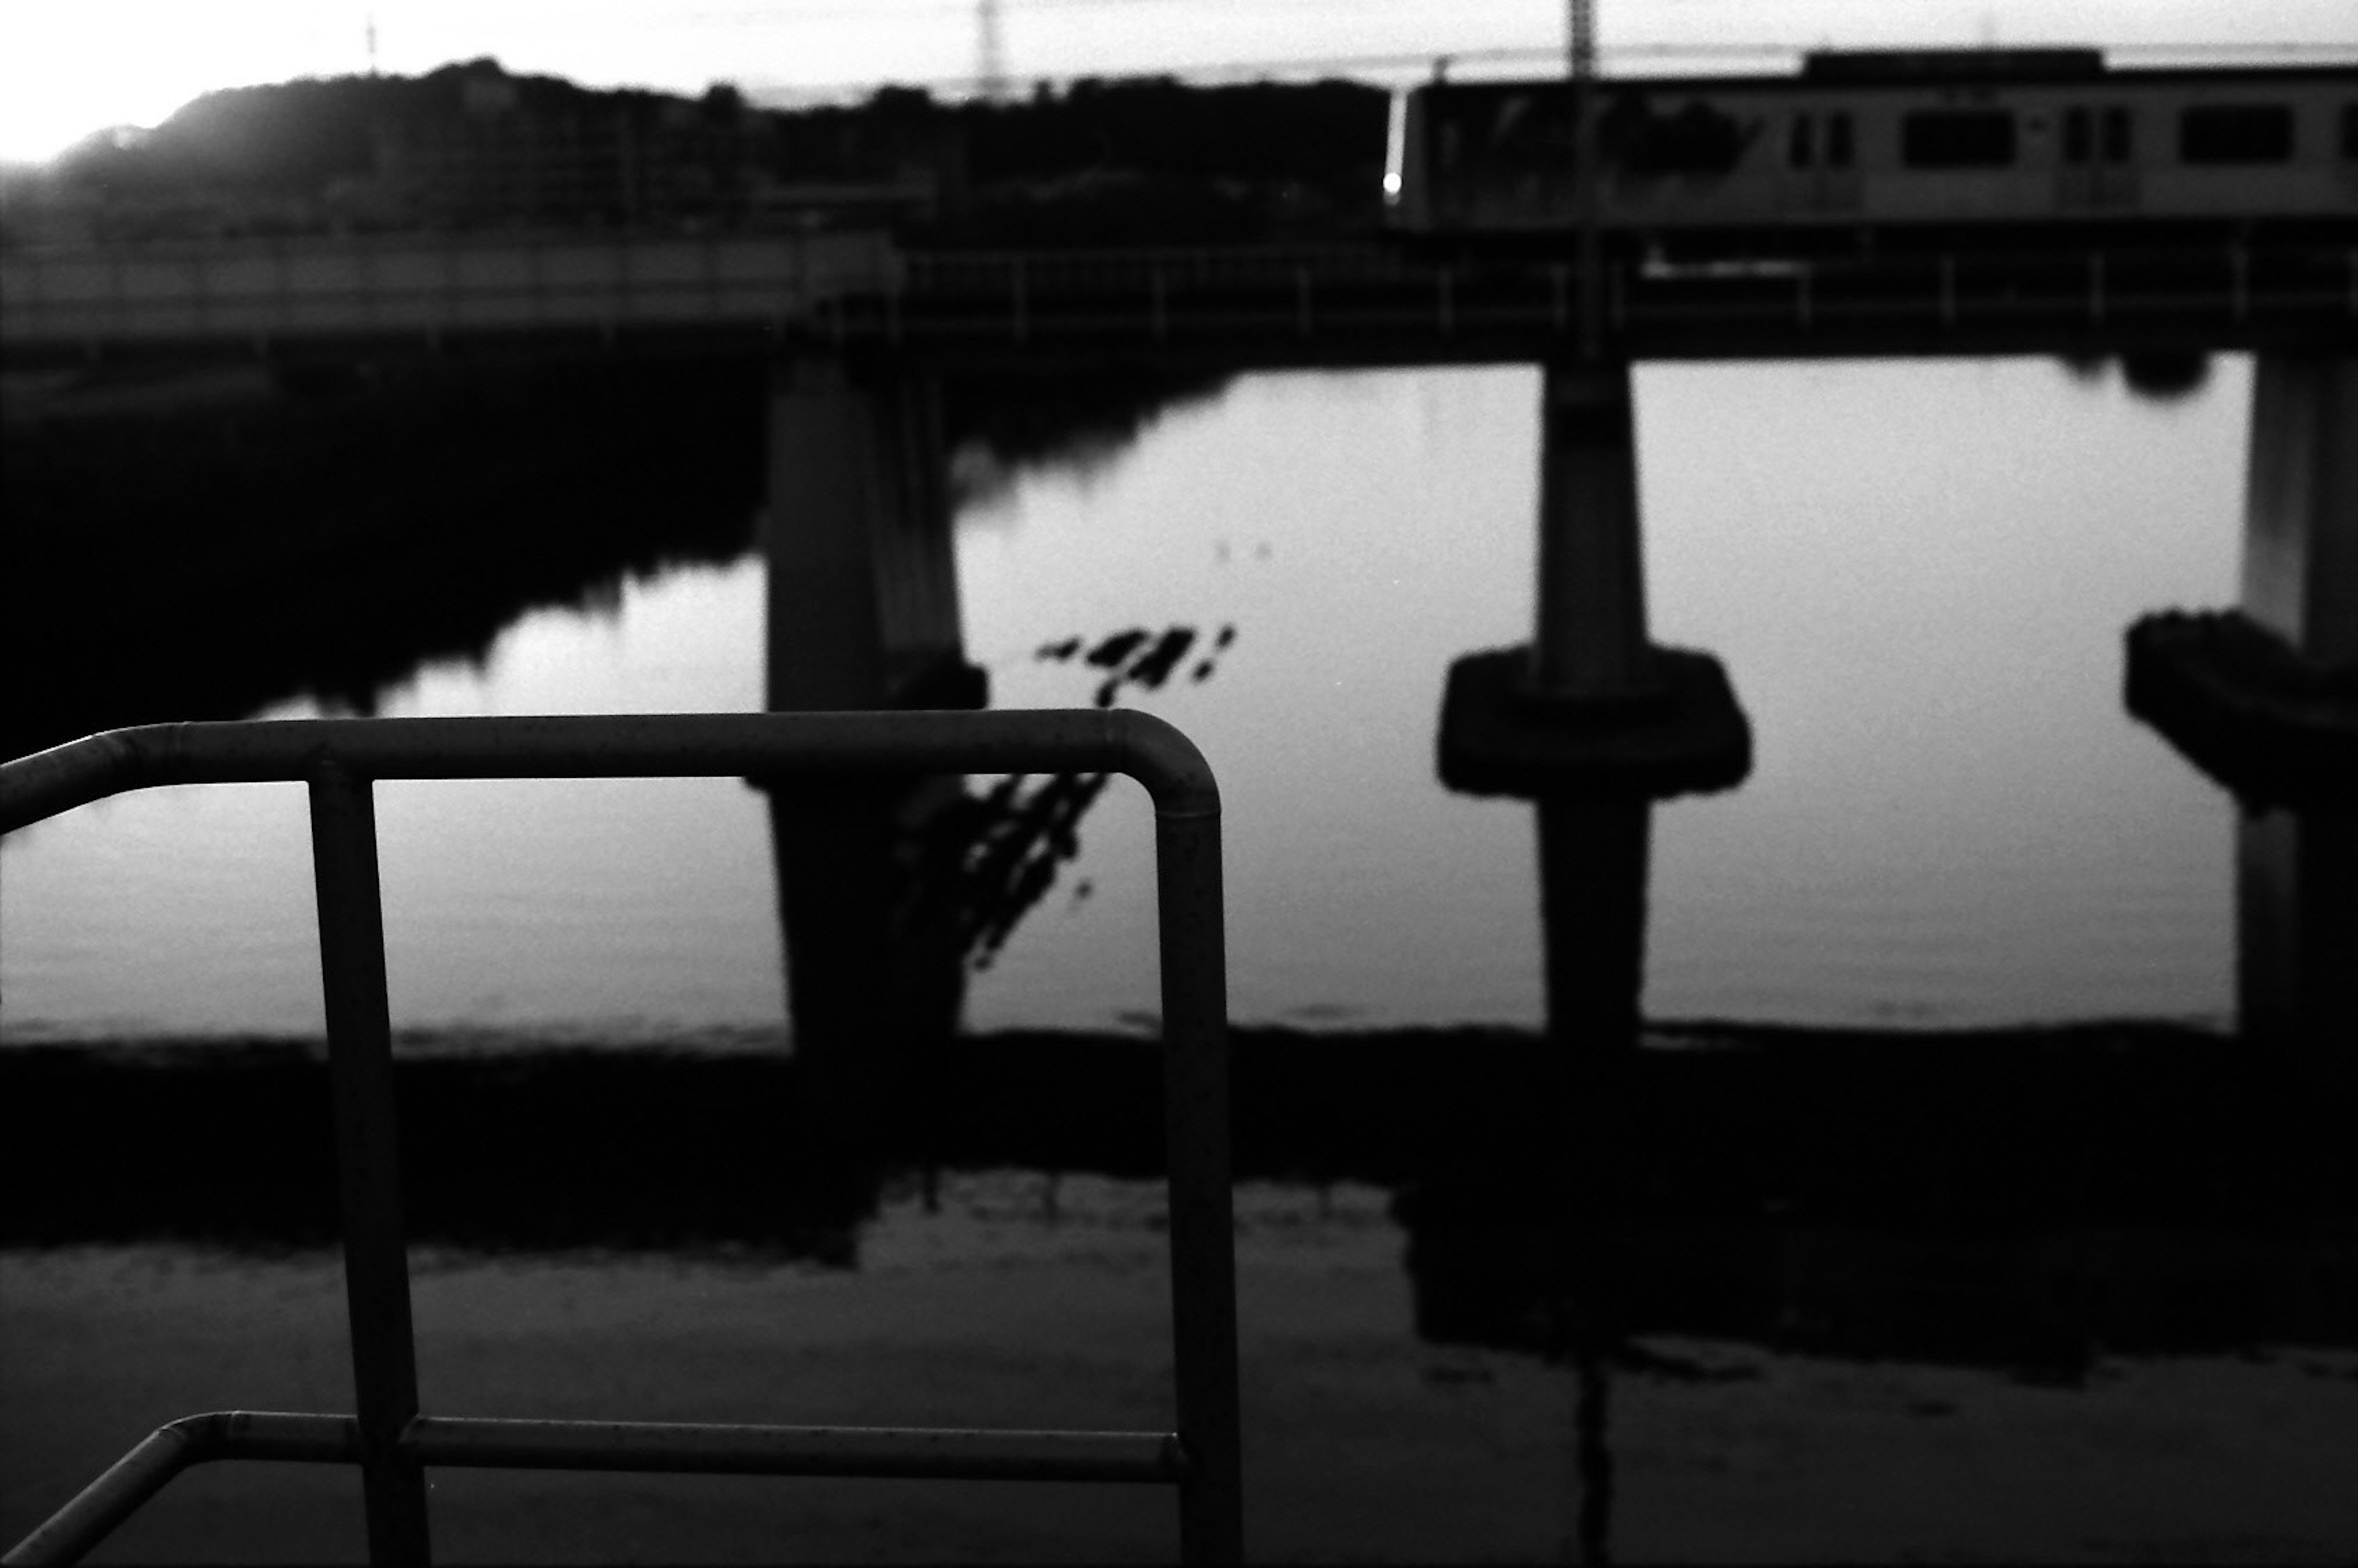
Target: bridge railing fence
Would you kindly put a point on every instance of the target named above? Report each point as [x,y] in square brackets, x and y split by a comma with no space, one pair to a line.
[1305,293]
[838,288]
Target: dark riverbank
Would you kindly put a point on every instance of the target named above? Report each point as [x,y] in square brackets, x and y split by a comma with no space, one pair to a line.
[2014,1197]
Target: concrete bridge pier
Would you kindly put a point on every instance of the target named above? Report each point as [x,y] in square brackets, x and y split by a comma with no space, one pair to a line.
[1592,719]
[863,606]
[862,614]
[2297,872]
[1588,633]
[2263,698]
[2300,504]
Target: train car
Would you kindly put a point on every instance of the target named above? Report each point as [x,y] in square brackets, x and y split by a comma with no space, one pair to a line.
[1887,149]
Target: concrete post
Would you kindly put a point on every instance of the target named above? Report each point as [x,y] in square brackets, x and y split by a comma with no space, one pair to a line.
[1589,640]
[2300,503]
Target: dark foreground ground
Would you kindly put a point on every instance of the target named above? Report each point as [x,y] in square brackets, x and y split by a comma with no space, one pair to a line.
[1765,1295]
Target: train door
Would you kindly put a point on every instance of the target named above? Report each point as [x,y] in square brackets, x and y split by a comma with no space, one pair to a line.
[2097,170]
[1821,163]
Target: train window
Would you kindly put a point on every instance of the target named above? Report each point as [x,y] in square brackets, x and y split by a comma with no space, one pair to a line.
[1802,151]
[2075,135]
[1957,138]
[1838,139]
[2117,135]
[2235,133]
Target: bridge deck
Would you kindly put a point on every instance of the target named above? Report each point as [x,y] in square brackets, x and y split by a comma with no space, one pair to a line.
[1247,307]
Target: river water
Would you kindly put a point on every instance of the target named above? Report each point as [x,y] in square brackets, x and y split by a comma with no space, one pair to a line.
[2013,1297]
[1917,574]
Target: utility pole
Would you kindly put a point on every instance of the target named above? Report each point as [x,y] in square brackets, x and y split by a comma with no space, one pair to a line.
[992,51]
[1587,167]
[371,42]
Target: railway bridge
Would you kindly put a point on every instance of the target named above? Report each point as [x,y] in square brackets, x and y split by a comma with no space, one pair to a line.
[1592,718]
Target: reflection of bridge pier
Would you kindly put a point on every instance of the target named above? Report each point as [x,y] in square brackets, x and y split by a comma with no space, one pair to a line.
[1592,719]
[862,614]
[2265,699]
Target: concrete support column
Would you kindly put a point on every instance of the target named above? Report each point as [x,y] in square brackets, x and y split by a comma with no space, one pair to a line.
[1589,638]
[864,613]
[863,580]
[2300,503]
[2297,872]
[2264,700]
[1591,721]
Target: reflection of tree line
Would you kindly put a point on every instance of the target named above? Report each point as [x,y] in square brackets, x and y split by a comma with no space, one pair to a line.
[326,543]
[207,560]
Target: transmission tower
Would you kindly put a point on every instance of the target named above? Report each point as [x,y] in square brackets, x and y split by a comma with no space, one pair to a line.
[991,67]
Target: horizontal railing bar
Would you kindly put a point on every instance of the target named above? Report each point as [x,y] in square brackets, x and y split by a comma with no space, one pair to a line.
[708,1449]
[763,745]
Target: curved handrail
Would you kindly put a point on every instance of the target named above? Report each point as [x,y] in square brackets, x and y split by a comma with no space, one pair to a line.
[163,1454]
[763,745]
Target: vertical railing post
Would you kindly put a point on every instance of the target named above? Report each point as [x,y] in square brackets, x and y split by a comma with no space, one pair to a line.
[1203,1234]
[368,1173]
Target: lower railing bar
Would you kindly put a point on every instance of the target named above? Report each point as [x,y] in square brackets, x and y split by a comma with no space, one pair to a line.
[714,1450]
[645,1446]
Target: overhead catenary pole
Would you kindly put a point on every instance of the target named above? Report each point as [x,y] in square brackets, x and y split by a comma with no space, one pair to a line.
[1586,165]
[990,63]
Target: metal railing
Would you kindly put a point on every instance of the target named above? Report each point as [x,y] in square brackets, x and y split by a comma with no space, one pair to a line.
[1348,292]
[262,292]
[387,1436]
[1292,303]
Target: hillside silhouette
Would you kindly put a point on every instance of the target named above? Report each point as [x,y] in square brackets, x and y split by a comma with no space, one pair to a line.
[471,145]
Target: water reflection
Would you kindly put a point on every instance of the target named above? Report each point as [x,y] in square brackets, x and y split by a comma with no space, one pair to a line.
[2296,927]
[330,545]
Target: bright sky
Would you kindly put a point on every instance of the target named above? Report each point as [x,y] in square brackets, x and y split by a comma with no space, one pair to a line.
[69,67]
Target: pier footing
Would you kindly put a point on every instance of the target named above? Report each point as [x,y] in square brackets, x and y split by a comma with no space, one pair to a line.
[2276,726]
[1684,734]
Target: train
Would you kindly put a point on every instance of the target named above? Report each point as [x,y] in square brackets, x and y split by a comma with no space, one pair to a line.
[1868,149]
